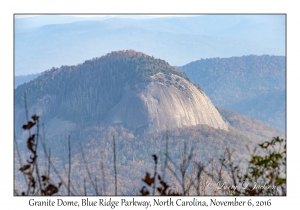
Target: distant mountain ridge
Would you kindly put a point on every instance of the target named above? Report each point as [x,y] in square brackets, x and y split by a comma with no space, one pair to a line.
[177,39]
[18,80]
[251,85]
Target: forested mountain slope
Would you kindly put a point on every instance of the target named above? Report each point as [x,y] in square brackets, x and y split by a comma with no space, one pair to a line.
[136,99]
[126,87]
[251,85]
[18,80]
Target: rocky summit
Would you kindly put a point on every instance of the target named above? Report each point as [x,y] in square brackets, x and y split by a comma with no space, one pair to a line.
[167,101]
[125,87]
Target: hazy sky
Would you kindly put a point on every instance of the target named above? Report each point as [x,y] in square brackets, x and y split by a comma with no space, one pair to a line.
[92,16]
[188,39]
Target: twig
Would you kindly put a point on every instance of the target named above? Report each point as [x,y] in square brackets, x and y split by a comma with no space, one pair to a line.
[173,181]
[86,167]
[103,175]
[49,162]
[166,159]
[155,172]
[36,149]
[96,183]
[173,172]
[192,175]
[27,119]
[69,173]
[84,187]
[115,166]
[19,157]
[54,168]
[45,158]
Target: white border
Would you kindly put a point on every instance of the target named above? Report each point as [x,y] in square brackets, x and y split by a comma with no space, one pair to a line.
[8,8]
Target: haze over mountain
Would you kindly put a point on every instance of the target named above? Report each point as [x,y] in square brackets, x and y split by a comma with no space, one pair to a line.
[18,80]
[133,97]
[178,40]
[124,87]
[25,23]
[251,85]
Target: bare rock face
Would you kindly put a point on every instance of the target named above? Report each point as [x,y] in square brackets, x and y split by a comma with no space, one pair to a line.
[168,101]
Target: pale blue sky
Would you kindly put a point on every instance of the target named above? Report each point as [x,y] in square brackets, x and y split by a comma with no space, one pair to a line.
[92,16]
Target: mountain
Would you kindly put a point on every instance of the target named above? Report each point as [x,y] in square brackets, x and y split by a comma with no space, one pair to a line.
[251,85]
[123,87]
[168,101]
[136,99]
[18,80]
[26,24]
[48,42]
